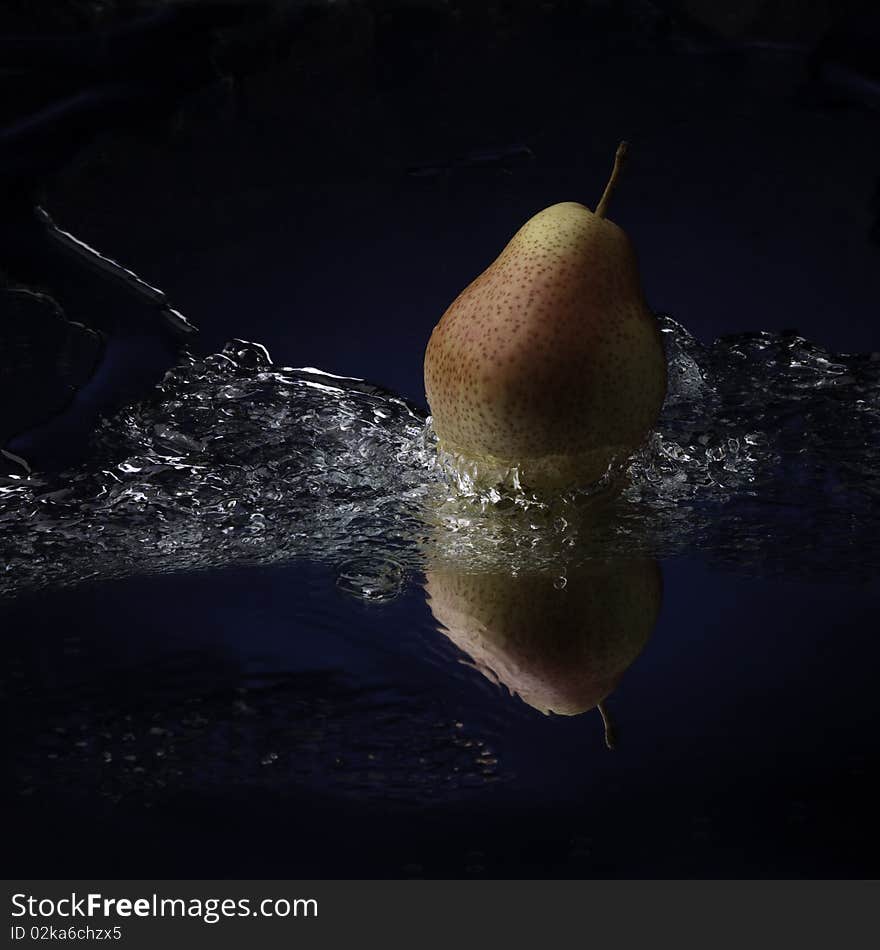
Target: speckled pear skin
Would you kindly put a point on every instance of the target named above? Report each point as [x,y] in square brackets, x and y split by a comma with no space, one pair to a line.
[560,650]
[550,361]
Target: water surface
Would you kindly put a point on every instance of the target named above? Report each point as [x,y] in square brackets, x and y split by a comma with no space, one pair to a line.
[263,632]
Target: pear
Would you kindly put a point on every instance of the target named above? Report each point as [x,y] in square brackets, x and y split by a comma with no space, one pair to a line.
[549,367]
[561,648]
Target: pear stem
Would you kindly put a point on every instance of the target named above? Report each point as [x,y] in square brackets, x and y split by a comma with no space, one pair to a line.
[619,159]
[610,737]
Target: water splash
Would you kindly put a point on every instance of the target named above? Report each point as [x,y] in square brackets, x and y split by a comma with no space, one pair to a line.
[766,456]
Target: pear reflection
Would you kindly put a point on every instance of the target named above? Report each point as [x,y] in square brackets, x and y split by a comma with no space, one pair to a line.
[560,643]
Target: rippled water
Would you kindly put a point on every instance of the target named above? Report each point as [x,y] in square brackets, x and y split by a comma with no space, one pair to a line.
[767,456]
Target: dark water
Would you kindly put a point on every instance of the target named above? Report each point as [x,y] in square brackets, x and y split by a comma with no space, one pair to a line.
[224,653]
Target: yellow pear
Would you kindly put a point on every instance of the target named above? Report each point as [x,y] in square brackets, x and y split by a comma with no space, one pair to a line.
[561,648]
[549,367]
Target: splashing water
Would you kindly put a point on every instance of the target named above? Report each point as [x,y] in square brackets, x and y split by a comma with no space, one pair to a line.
[766,456]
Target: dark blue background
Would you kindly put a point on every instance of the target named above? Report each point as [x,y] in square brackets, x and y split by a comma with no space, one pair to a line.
[286,213]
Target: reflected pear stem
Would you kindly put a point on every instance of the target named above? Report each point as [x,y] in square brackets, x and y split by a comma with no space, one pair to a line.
[610,735]
[619,159]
